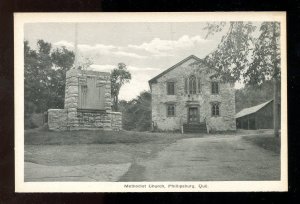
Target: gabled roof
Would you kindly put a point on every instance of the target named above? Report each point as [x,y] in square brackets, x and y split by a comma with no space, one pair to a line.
[253,109]
[173,67]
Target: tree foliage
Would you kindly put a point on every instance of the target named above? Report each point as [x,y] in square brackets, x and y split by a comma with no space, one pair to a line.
[253,95]
[119,76]
[265,64]
[45,73]
[231,56]
[242,56]
[137,112]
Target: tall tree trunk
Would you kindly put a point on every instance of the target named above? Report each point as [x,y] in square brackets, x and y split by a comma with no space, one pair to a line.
[275,80]
[275,109]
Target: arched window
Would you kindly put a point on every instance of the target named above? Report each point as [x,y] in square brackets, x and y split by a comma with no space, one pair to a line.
[199,85]
[192,85]
[215,109]
[214,87]
[186,91]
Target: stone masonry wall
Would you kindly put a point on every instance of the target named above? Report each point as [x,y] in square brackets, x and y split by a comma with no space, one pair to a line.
[182,101]
[93,120]
[57,119]
[116,121]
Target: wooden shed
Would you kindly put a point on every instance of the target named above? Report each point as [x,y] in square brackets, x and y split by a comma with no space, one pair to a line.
[256,117]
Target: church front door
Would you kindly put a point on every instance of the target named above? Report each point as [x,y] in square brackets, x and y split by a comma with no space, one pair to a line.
[193,115]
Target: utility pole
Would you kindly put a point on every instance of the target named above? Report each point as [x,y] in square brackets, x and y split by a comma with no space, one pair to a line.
[75,47]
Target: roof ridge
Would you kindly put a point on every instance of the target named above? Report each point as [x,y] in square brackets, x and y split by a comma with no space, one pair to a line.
[262,103]
[252,109]
[174,66]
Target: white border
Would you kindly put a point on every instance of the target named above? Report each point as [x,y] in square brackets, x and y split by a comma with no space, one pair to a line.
[211,186]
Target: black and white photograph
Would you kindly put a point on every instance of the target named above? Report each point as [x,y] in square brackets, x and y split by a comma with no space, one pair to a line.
[150,102]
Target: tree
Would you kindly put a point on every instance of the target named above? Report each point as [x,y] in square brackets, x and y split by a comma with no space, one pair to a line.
[251,95]
[266,63]
[137,112]
[231,57]
[63,60]
[30,75]
[240,56]
[84,63]
[45,73]
[37,67]
[119,76]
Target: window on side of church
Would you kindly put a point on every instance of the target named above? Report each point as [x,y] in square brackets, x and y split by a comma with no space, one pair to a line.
[214,87]
[199,85]
[192,85]
[215,109]
[186,86]
[170,110]
[171,88]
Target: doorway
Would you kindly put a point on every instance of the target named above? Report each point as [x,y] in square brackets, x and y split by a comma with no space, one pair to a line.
[193,115]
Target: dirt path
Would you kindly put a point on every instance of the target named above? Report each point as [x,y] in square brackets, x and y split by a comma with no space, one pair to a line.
[76,162]
[97,172]
[208,159]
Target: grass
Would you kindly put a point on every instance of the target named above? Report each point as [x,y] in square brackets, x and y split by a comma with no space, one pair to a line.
[90,146]
[45,137]
[268,142]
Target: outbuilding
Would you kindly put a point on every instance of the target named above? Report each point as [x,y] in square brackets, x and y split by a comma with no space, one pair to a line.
[256,117]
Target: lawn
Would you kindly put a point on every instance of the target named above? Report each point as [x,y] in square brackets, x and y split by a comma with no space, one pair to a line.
[45,137]
[90,146]
[268,142]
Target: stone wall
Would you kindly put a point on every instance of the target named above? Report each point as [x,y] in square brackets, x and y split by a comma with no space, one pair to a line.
[57,119]
[116,121]
[92,120]
[202,100]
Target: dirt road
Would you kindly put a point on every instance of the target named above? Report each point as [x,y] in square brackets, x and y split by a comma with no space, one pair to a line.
[208,159]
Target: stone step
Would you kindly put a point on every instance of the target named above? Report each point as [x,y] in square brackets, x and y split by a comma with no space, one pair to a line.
[195,128]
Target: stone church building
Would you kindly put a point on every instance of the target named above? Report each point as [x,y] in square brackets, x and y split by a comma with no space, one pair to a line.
[188,97]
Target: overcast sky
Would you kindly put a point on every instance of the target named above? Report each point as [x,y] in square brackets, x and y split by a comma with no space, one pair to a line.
[146,48]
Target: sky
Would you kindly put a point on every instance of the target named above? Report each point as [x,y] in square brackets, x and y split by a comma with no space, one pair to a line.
[146,48]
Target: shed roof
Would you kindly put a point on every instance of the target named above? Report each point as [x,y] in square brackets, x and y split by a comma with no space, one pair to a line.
[253,109]
[173,67]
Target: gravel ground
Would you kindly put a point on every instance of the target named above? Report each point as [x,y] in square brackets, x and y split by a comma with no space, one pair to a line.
[227,158]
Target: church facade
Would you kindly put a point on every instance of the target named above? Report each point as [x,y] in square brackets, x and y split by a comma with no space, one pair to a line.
[189,96]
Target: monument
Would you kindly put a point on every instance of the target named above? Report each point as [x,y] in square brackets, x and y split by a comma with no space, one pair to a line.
[87,103]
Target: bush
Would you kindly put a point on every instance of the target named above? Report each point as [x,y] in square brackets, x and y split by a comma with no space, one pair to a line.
[33,120]
[28,123]
[136,114]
